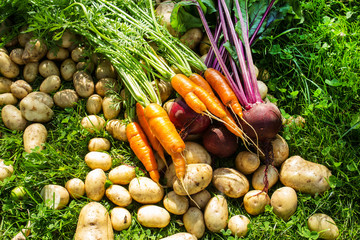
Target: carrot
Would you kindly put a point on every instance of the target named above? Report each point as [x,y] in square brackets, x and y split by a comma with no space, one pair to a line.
[151,137]
[179,163]
[141,148]
[219,83]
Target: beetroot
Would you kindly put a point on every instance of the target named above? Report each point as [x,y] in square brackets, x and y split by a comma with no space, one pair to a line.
[218,140]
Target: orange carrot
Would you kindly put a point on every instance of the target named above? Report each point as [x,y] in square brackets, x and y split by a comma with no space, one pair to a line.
[151,137]
[141,148]
[179,163]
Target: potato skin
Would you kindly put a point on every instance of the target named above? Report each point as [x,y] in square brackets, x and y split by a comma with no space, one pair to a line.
[7,99]
[34,135]
[195,153]
[50,84]
[230,182]
[8,68]
[110,111]
[105,70]
[105,84]
[194,222]
[34,110]
[48,68]
[163,10]
[216,213]
[95,184]
[20,89]
[83,83]
[257,180]
[100,160]
[5,170]
[280,150]
[192,37]
[5,85]
[304,176]
[247,162]
[59,193]
[16,56]
[117,129]
[144,190]
[75,187]
[153,216]
[66,98]
[94,104]
[12,118]
[99,144]
[255,202]
[118,195]
[94,223]
[122,174]
[175,204]
[67,69]
[201,199]
[284,202]
[31,71]
[238,225]
[180,236]
[35,49]
[93,123]
[324,225]
[120,218]
[59,54]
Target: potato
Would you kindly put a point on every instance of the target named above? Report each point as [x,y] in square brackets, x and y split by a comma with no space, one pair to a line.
[120,218]
[94,223]
[200,198]
[16,56]
[194,222]
[117,129]
[12,118]
[192,37]
[180,236]
[84,84]
[42,97]
[195,153]
[259,175]
[204,45]
[280,150]
[2,49]
[247,162]
[20,89]
[67,69]
[34,136]
[78,54]
[144,190]
[170,175]
[94,104]
[176,204]
[324,225]
[95,184]
[23,36]
[5,85]
[203,58]
[216,213]
[86,66]
[5,170]
[105,70]
[118,195]
[99,144]
[34,110]
[67,39]
[55,196]
[8,68]
[35,49]
[50,84]
[66,98]
[75,187]
[31,71]
[161,164]
[122,174]
[106,84]
[163,88]
[24,233]
[230,182]
[7,99]
[153,216]
[255,202]
[58,54]
[197,178]
[263,89]
[100,160]
[305,176]
[48,68]
[163,11]
[93,123]
[111,108]
[284,202]
[238,225]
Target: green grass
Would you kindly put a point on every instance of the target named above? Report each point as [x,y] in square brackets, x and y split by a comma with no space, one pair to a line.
[314,71]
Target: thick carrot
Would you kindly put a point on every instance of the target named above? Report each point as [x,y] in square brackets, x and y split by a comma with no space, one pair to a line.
[219,83]
[150,136]
[141,148]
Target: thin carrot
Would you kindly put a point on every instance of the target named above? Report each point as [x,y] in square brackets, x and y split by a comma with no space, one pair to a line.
[149,134]
[141,148]
[179,163]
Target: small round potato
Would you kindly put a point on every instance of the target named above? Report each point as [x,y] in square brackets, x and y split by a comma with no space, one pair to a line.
[230,182]
[100,160]
[12,118]
[16,56]
[31,71]
[280,150]
[194,222]
[120,218]
[93,123]
[78,54]
[216,213]
[163,88]
[34,136]
[192,37]
[66,98]
[95,184]
[67,39]
[263,89]
[153,216]
[83,83]
[122,174]
[99,144]
[106,84]
[284,202]
[201,199]
[94,104]
[20,89]
[247,162]
[8,68]
[238,225]
[50,84]
[35,49]
[67,69]
[5,85]
[144,190]
[259,175]
[118,195]
[111,108]
[55,196]
[176,204]
[324,225]
[7,99]
[255,202]
[117,129]
[58,54]
[180,236]
[105,70]
[195,153]
[75,187]
[23,36]
[5,170]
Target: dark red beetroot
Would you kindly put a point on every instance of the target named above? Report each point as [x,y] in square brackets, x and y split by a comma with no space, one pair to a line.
[220,141]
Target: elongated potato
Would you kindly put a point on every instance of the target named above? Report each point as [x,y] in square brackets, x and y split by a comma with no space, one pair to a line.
[176,204]
[94,104]
[324,225]
[58,54]
[94,223]
[201,199]
[50,84]
[111,108]
[35,111]
[100,160]
[20,89]
[95,184]
[197,178]
[8,68]
[180,236]
[75,187]
[144,190]
[195,153]
[99,144]
[194,222]
[93,123]
[31,71]
[120,218]
[258,177]
[255,202]
[55,196]
[230,182]
[5,85]
[280,150]
[35,49]
[48,68]
[216,213]
[5,170]
[118,195]
[83,83]
[122,174]
[117,129]
[284,202]
[238,225]
[153,216]
[7,99]
[34,136]
[12,118]
[67,69]
[305,176]
[66,98]
[247,162]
